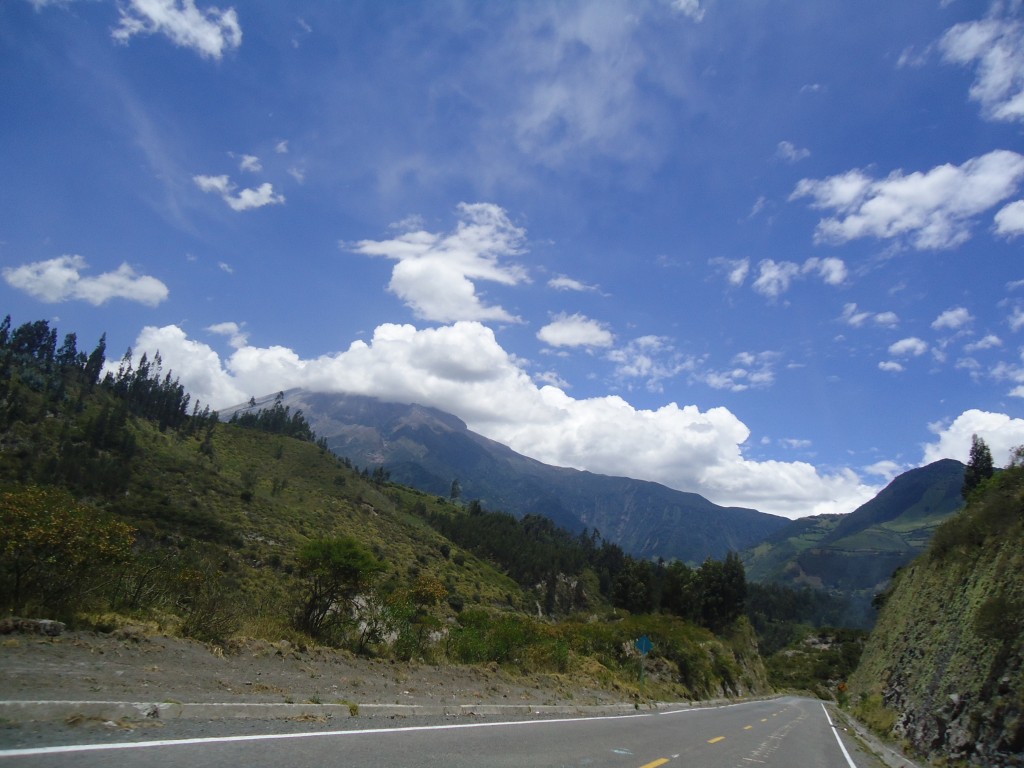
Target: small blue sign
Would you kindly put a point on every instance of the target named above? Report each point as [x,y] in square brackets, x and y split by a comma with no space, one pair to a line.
[644,645]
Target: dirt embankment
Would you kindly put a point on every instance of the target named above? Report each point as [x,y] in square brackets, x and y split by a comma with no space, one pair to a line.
[130,665]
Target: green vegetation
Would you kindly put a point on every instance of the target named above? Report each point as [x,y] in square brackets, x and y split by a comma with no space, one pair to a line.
[120,500]
[852,557]
[942,669]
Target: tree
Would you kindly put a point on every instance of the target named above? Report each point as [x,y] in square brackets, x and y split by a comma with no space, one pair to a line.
[979,466]
[336,571]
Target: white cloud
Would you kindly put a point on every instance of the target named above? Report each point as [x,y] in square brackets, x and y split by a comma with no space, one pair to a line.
[61,279]
[1000,432]
[461,369]
[250,163]
[851,316]
[1016,319]
[990,341]
[435,273]
[749,371]
[210,33]
[652,359]
[237,338]
[890,366]
[575,331]
[245,200]
[830,269]
[886,469]
[933,209]
[887,319]
[790,153]
[1010,219]
[563,283]
[689,8]
[953,319]
[736,270]
[996,46]
[909,347]
[775,277]
[281,147]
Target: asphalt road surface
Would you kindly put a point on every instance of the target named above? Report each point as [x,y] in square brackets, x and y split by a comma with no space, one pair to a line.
[787,733]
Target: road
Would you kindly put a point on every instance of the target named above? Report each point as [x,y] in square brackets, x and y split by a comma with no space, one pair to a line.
[785,732]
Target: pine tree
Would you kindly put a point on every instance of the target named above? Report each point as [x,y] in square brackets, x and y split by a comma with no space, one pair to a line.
[979,466]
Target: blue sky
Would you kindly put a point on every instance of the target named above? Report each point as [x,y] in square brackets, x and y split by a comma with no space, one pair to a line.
[764,251]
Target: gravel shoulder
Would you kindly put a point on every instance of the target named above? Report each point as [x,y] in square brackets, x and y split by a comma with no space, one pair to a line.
[340,690]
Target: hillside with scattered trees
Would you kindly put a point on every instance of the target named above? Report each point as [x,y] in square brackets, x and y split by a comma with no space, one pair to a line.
[123,500]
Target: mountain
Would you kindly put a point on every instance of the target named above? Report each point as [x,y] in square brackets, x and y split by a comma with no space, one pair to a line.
[942,669]
[428,449]
[855,555]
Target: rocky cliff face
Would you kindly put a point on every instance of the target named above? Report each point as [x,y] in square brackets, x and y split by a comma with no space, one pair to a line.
[943,668]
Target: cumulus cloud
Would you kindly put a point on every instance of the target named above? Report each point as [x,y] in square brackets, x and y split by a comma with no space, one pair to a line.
[831,270]
[890,366]
[575,331]
[61,279]
[775,277]
[1010,219]
[995,46]
[932,210]
[435,273]
[209,32]
[952,319]
[244,200]
[1000,432]
[991,341]
[909,347]
[237,338]
[461,369]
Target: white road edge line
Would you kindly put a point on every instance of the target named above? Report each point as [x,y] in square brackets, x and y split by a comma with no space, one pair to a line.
[68,748]
[835,732]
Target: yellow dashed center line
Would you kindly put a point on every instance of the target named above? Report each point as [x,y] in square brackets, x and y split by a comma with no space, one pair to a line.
[716,739]
[747,727]
[655,763]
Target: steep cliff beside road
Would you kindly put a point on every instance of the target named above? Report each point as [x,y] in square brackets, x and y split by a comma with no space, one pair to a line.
[942,669]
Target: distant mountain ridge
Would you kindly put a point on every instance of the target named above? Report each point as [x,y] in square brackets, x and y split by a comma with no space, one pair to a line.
[427,449]
[855,555]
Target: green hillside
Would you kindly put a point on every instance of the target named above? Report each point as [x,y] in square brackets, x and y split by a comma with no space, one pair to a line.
[942,669]
[122,501]
[854,556]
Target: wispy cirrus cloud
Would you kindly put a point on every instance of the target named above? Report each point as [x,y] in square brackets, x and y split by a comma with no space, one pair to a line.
[61,279]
